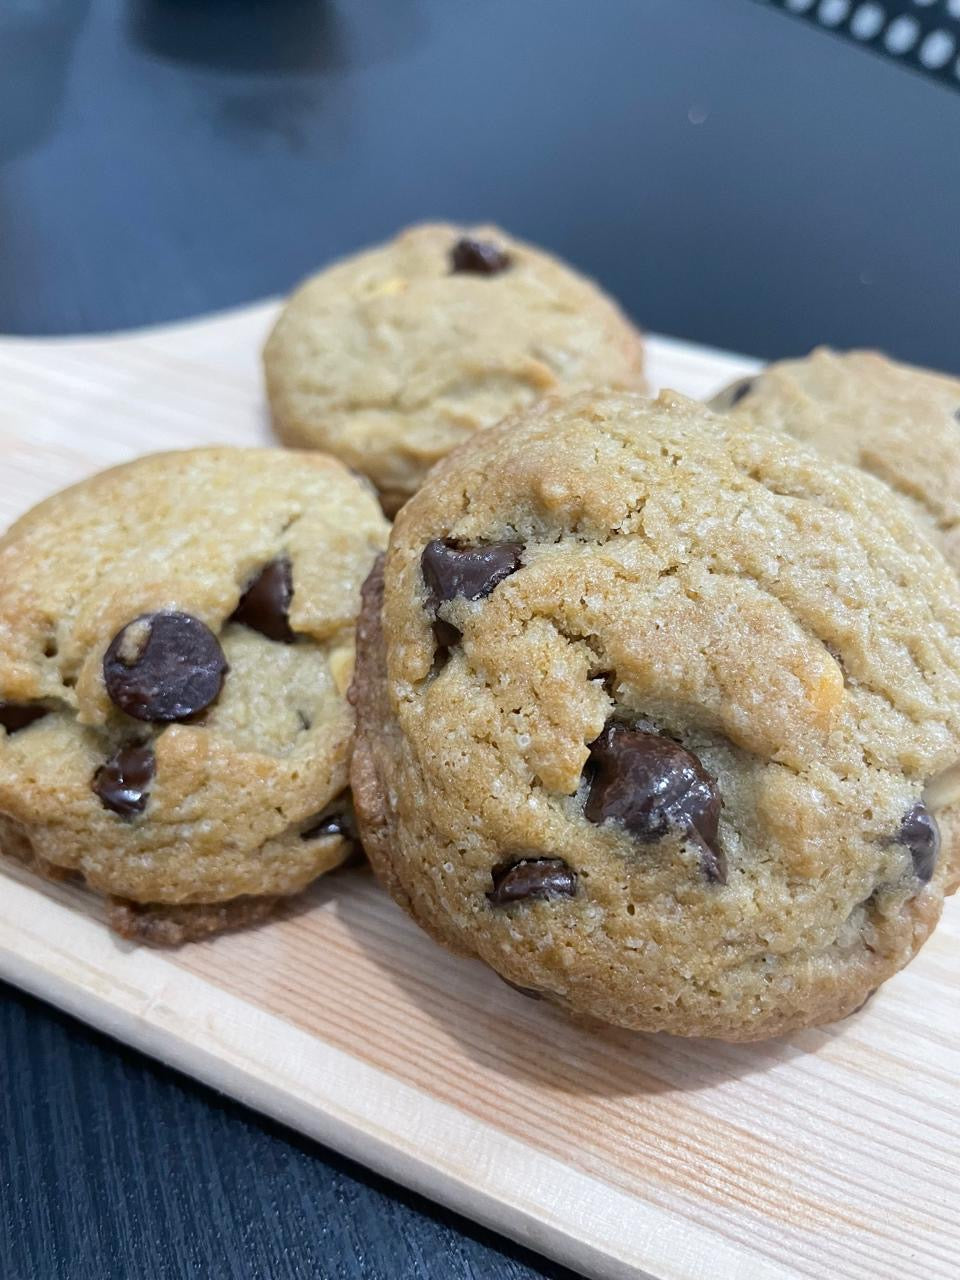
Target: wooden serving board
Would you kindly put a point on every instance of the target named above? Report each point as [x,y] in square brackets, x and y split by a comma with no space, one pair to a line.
[831,1153]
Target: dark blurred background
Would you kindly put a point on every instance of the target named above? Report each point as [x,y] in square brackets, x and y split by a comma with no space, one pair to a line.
[737,177]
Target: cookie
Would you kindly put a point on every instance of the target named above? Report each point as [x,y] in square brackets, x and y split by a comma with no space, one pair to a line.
[899,423]
[176,642]
[647,703]
[391,357]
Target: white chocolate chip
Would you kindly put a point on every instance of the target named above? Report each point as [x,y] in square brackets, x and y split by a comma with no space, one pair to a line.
[341,666]
[944,789]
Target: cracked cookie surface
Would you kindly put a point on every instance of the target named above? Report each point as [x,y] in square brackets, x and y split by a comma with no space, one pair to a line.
[899,423]
[392,357]
[176,641]
[647,704]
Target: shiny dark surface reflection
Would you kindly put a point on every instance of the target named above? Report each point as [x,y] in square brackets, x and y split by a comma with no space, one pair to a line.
[36,43]
[735,177]
[240,35]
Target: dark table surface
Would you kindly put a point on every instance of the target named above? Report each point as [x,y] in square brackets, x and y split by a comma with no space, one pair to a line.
[736,177]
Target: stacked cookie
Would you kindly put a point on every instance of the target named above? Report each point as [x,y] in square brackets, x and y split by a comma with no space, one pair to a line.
[176,642]
[392,358]
[177,635]
[656,707]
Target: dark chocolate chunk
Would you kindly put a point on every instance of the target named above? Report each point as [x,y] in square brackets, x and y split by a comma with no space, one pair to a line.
[163,667]
[713,862]
[15,715]
[265,605]
[329,824]
[523,878]
[123,782]
[739,391]
[478,257]
[920,834]
[472,572]
[451,571]
[652,785]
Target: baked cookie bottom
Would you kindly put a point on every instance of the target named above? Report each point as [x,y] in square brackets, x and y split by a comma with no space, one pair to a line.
[160,924]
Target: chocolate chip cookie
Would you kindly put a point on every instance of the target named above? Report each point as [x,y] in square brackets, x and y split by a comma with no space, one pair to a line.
[899,423]
[176,642]
[648,700]
[390,358]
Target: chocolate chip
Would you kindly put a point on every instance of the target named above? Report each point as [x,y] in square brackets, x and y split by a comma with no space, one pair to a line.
[329,824]
[713,862]
[15,716]
[123,782]
[164,666]
[265,605]
[652,785]
[532,878]
[920,834]
[739,391]
[451,571]
[326,825]
[478,257]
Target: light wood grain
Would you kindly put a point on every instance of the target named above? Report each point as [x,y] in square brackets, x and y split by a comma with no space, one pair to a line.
[828,1153]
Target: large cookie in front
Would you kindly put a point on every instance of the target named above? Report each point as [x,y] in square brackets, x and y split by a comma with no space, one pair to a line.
[647,703]
[392,357]
[176,639]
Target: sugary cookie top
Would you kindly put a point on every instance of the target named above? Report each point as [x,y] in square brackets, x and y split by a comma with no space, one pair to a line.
[391,357]
[897,422]
[666,691]
[176,637]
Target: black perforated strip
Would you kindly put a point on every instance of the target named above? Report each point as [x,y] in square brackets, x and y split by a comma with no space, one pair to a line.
[922,34]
